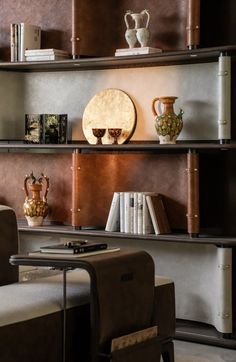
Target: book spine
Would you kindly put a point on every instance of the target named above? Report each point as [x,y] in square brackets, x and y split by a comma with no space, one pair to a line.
[131,212]
[135,213]
[12,42]
[89,248]
[163,222]
[140,213]
[16,43]
[147,223]
[153,215]
[39,58]
[127,212]
[21,55]
[42,52]
[57,251]
[22,44]
[122,213]
[113,220]
[30,38]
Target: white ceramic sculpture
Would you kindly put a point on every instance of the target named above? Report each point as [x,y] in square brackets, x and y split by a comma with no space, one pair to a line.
[140,31]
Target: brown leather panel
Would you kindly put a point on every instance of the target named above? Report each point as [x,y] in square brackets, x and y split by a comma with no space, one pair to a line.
[76,189]
[97,27]
[54,18]
[100,28]
[75,40]
[193,23]
[167,21]
[193,216]
[167,24]
[57,167]
[102,174]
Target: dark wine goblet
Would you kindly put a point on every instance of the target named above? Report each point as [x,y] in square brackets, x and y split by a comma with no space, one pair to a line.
[115,133]
[99,133]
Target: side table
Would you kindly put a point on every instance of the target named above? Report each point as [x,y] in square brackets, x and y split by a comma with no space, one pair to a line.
[126,275]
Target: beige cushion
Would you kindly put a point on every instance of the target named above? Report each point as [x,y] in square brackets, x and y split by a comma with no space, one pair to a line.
[160,280]
[27,300]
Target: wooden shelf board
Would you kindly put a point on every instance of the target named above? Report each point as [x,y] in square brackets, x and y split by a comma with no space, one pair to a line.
[164,58]
[202,333]
[132,146]
[180,238]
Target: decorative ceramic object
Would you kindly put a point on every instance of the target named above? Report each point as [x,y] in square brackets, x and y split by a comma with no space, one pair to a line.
[109,108]
[140,30]
[142,36]
[168,124]
[99,133]
[130,37]
[35,208]
[115,133]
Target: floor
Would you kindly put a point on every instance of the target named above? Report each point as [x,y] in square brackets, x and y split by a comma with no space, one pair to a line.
[194,352]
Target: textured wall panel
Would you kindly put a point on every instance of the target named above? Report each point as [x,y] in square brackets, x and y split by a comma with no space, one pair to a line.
[14,167]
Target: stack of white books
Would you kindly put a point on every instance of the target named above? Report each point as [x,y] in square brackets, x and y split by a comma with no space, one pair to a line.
[138,213]
[24,36]
[45,54]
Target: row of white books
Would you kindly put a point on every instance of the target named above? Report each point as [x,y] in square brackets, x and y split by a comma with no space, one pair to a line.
[24,36]
[138,213]
[45,54]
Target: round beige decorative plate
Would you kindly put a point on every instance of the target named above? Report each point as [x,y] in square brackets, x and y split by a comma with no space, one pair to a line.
[110,108]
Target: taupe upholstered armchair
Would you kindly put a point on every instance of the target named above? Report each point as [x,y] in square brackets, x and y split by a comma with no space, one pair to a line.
[8,245]
[126,298]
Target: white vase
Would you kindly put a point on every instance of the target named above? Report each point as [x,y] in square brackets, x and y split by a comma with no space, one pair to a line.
[142,36]
[34,220]
[139,19]
[130,36]
[140,30]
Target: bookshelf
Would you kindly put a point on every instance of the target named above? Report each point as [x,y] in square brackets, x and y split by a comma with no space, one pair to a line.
[146,158]
[216,191]
[76,19]
[195,56]
[69,231]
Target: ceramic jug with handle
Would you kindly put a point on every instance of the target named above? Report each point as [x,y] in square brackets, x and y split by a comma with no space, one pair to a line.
[140,30]
[168,125]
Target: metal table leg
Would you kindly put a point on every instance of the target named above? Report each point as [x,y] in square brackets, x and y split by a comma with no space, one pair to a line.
[64,315]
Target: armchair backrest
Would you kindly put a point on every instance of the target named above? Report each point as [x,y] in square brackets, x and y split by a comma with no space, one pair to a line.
[8,245]
[124,289]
